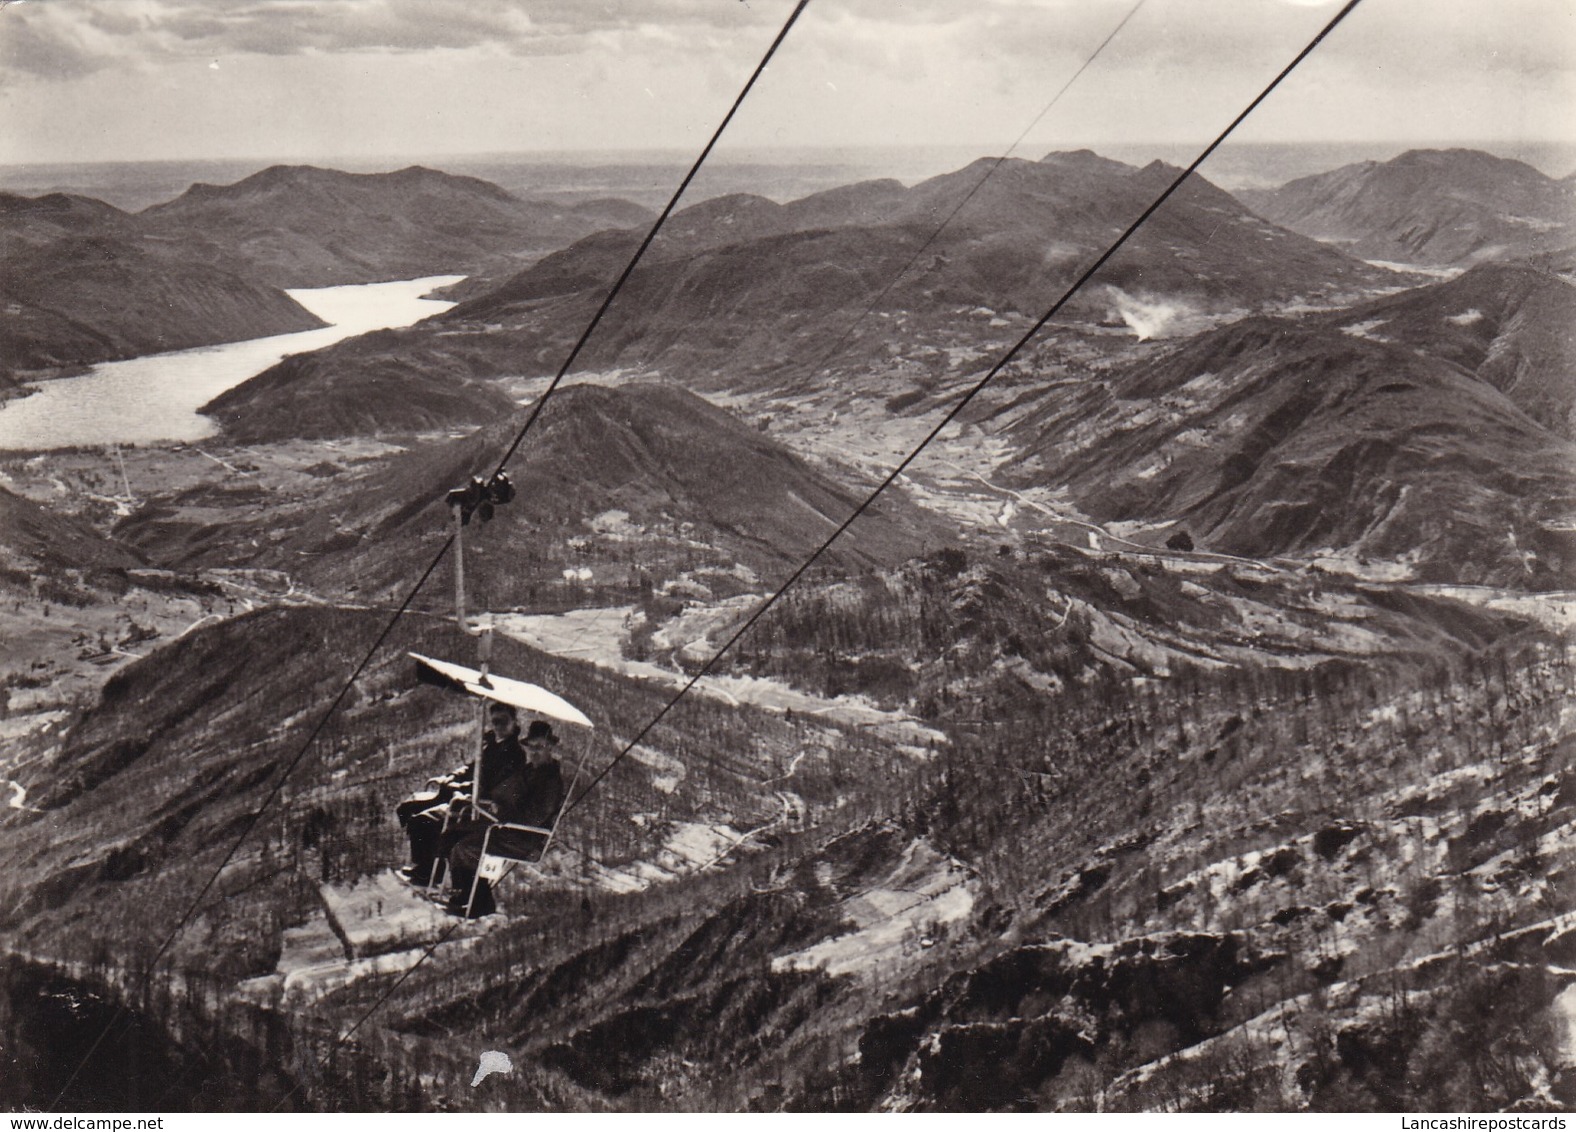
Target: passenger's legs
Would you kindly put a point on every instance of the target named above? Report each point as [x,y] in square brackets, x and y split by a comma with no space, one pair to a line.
[423,830]
[464,859]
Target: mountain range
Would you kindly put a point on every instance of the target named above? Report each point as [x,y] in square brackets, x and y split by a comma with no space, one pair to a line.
[85,282]
[1019,232]
[740,288]
[1429,206]
[1438,415]
[301,226]
[634,479]
[1271,437]
[137,301]
[1186,729]
[82,285]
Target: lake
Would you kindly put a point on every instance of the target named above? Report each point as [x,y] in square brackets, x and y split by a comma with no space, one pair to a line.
[155,398]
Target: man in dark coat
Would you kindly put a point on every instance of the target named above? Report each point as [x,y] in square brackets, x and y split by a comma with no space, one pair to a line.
[532,793]
[423,814]
[421,817]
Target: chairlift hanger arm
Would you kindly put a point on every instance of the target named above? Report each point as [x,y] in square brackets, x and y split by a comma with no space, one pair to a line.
[479,497]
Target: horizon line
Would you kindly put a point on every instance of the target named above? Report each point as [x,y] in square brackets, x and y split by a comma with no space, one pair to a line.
[758,154]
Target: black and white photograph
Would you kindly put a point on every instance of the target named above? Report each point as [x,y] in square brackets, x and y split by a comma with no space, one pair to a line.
[788,556]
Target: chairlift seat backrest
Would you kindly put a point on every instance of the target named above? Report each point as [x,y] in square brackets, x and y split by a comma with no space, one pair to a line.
[524,844]
[511,842]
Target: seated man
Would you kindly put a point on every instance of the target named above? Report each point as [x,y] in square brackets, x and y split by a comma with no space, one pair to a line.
[421,817]
[424,813]
[532,794]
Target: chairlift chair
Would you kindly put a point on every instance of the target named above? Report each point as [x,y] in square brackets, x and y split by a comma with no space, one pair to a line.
[479,498]
[532,702]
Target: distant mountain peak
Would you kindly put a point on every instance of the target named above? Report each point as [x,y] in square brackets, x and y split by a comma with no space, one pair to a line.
[1449,154]
[1443,206]
[1085,159]
[54,204]
[281,175]
[305,226]
[436,178]
[285,178]
[271,179]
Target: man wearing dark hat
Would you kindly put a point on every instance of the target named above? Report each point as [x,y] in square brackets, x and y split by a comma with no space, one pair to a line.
[424,814]
[531,792]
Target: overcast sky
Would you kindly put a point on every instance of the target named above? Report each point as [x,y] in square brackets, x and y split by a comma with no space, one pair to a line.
[84,80]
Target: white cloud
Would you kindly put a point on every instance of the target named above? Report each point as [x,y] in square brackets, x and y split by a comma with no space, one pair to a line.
[67,38]
[130,77]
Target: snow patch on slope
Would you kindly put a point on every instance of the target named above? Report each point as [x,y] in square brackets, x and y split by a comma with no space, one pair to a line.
[597,635]
[923,891]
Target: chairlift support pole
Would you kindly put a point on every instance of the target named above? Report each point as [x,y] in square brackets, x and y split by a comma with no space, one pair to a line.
[483,646]
[477,497]
[483,629]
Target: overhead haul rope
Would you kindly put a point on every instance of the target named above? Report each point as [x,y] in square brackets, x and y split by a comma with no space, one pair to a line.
[978,185]
[448,543]
[968,397]
[897,471]
[837,346]
[936,233]
[952,415]
[650,236]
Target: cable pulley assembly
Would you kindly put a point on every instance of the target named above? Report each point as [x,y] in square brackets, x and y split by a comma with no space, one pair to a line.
[480,496]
